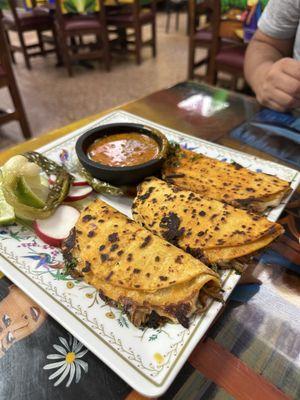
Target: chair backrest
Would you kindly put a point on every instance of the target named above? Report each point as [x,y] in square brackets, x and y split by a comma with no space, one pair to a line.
[13,5]
[138,4]
[78,6]
[210,8]
[30,4]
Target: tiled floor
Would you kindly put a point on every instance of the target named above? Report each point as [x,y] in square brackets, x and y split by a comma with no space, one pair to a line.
[52,99]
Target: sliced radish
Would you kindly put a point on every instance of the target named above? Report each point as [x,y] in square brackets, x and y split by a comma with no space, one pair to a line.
[52,179]
[78,193]
[56,228]
[79,181]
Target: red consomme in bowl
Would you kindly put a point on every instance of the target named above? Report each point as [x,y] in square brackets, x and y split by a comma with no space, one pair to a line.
[124,149]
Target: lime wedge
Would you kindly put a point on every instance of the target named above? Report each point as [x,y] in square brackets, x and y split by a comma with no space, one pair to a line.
[7,214]
[31,191]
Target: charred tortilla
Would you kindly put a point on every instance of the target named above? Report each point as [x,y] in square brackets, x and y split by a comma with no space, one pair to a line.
[211,231]
[229,183]
[148,277]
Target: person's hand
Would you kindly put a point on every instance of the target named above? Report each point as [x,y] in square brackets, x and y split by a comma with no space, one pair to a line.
[280,85]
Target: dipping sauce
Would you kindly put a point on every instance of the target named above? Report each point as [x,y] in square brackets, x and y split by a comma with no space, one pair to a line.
[124,149]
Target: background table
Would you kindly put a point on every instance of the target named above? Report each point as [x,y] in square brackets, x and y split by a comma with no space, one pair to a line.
[251,352]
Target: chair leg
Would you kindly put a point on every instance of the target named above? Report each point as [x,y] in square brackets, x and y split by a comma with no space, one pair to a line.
[177,18]
[187,23]
[74,45]
[191,59]
[234,82]
[25,126]
[56,46]
[67,62]
[41,42]
[168,12]
[16,98]
[212,77]
[138,43]
[24,50]
[65,54]
[153,26]
[12,53]
[81,41]
[106,51]
[121,39]
[212,71]
[122,34]
[107,60]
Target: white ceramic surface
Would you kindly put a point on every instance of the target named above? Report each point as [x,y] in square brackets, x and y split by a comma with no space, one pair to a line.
[147,359]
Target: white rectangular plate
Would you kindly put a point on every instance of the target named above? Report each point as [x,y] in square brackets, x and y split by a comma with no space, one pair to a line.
[147,359]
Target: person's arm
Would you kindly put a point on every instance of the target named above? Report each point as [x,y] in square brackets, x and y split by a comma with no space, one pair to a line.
[273,76]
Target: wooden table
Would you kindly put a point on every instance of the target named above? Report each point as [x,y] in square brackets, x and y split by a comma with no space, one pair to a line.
[251,352]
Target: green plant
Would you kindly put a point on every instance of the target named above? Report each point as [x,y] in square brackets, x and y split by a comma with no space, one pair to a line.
[80,6]
[3,4]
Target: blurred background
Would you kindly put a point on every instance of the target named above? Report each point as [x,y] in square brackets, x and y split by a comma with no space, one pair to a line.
[66,59]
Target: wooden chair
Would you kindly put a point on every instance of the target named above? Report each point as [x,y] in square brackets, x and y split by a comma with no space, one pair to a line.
[36,19]
[177,6]
[200,37]
[231,61]
[73,24]
[227,56]
[7,79]
[225,53]
[133,15]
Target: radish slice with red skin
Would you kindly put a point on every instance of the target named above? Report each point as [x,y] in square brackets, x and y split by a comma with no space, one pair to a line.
[55,229]
[52,179]
[78,180]
[77,193]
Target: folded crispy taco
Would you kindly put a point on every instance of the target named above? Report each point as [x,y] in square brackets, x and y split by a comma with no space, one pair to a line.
[229,183]
[150,279]
[211,231]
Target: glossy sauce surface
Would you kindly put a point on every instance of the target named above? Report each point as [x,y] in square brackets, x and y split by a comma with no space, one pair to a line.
[124,149]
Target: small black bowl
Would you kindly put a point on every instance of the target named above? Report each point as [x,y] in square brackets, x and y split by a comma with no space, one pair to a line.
[121,175]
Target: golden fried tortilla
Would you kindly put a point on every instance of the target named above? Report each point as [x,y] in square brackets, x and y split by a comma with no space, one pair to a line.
[229,183]
[208,229]
[135,269]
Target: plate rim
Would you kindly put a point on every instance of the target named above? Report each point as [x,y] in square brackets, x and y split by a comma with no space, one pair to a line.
[152,388]
[95,123]
[155,389]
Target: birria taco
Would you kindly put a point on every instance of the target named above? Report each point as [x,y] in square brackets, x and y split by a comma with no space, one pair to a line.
[151,280]
[211,231]
[226,182]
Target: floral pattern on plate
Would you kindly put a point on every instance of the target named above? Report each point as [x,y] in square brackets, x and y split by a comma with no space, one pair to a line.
[147,359]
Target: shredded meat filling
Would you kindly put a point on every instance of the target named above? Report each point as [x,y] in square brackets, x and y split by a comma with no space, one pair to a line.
[153,317]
